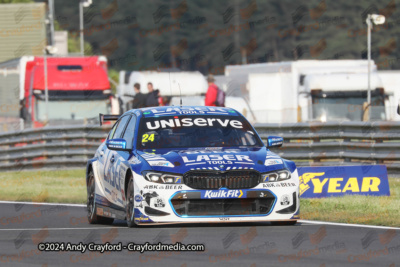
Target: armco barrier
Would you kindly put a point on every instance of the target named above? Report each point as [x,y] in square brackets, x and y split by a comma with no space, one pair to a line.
[50,147]
[308,144]
[331,144]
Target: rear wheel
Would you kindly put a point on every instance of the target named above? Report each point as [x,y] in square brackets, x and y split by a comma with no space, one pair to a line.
[93,218]
[130,206]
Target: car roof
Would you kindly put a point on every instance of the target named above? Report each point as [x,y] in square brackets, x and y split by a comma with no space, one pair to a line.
[185,110]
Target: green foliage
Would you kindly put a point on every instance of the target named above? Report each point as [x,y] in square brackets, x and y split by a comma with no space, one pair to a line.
[15,1]
[207,35]
[74,46]
[114,76]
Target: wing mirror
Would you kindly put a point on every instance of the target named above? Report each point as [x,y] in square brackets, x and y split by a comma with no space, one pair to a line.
[274,141]
[117,144]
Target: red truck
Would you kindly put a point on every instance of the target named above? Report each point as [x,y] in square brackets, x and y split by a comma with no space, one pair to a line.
[78,89]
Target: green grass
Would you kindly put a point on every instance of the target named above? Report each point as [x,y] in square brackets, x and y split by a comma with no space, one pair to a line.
[68,186]
[356,209]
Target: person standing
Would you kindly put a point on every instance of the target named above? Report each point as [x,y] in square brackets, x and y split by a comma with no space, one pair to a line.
[152,96]
[140,99]
[212,92]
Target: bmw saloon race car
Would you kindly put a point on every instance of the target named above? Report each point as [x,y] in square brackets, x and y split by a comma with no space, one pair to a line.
[189,165]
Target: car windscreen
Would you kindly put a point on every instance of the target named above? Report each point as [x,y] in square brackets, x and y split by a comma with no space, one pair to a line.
[196,131]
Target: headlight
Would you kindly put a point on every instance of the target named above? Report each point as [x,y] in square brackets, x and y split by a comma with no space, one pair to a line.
[162,178]
[275,176]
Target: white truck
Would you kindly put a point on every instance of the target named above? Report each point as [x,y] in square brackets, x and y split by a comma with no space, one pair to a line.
[312,90]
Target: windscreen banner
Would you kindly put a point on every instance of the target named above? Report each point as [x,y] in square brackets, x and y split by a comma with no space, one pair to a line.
[317,182]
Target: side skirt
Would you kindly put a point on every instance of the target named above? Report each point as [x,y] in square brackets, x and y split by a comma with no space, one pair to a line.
[110,212]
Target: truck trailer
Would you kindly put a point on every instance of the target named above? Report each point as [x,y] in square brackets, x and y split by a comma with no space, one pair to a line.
[312,90]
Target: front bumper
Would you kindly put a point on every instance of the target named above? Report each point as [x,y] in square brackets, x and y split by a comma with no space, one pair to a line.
[178,203]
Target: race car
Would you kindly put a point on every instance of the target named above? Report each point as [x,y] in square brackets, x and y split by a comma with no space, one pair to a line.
[190,164]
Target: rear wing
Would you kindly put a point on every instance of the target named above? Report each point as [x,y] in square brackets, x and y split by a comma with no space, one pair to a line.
[104,117]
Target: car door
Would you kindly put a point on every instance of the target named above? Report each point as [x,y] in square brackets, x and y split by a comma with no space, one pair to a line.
[111,165]
[103,153]
[123,156]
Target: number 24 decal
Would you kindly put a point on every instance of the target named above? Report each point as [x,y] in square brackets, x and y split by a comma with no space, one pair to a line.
[147,138]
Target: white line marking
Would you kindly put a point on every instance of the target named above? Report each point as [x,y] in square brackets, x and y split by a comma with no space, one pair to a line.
[42,203]
[195,163]
[83,205]
[349,224]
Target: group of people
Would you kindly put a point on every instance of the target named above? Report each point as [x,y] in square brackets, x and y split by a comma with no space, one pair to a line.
[152,99]
[214,96]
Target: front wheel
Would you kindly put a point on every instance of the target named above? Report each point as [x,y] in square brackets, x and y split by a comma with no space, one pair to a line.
[92,216]
[130,206]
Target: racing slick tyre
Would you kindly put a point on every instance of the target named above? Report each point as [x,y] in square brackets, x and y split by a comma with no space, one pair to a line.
[130,207]
[281,223]
[93,218]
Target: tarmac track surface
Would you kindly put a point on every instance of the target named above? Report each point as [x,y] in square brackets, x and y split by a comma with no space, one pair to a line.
[24,225]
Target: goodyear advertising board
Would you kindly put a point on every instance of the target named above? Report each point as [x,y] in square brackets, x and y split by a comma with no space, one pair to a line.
[316,182]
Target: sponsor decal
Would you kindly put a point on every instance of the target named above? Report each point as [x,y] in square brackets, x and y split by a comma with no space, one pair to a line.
[155,186]
[140,217]
[161,187]
[275,141]
[149,199]
[217,159]
[281,184]
[187,110]
[159,203]
[161,164]
[138,198]
[212,194]
[285,200]
[213,148]
[269,162]
[174,187]
[318,182]
[134,160]
[99,211]
[188,122]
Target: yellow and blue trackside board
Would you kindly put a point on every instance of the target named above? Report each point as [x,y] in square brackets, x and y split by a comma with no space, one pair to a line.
[317,182]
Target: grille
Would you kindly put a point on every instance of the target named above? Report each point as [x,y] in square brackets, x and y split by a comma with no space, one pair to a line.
[235,179]
[218,207]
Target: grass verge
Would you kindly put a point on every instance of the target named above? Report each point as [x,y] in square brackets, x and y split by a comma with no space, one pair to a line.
[68,186]
[356,209]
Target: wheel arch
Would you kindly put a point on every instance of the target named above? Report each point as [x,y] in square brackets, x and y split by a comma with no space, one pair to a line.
[89,167]
[128,174]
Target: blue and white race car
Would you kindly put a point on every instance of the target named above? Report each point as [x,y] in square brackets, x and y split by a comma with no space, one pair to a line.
[189,165]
